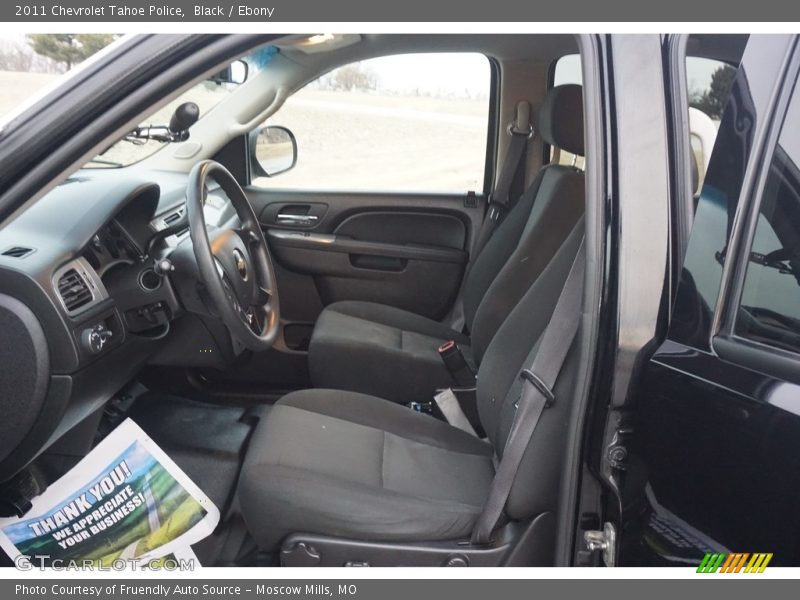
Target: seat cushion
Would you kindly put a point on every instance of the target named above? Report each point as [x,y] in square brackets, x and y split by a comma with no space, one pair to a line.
[349,465]
[380,350]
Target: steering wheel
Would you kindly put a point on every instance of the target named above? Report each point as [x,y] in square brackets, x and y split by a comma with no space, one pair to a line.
[234,264]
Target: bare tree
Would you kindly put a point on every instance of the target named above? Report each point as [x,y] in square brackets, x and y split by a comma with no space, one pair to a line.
[14,58]
[19,57]
[355,76]
[69,48]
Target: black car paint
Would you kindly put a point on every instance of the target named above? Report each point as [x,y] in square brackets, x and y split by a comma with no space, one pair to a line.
[712,450]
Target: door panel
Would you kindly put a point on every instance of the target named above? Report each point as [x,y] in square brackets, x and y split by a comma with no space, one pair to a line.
[404,250]
[416,228]
[722,445]
[715,453]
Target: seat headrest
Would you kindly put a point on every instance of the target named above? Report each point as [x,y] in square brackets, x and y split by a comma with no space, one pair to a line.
[561,118]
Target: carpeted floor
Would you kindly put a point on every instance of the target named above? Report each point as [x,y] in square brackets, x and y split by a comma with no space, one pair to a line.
[208,442]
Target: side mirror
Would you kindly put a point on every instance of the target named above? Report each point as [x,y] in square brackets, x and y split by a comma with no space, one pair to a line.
[236,72]
[273,150]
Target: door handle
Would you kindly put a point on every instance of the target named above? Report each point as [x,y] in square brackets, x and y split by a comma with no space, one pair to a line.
[289,219]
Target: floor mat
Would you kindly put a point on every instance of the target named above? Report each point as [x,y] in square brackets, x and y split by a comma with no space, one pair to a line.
[206,441]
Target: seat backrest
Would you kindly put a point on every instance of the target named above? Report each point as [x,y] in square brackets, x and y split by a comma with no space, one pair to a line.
[534,229]
[513,348]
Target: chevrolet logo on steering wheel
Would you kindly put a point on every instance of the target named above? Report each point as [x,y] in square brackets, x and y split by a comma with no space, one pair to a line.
[241,263]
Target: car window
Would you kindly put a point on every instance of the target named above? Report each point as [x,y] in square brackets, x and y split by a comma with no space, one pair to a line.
[708,82]
[127,152]
[404,123]
[708,97]
[566,70]
[206,94]
[770,301]
[716,204]
[32,63]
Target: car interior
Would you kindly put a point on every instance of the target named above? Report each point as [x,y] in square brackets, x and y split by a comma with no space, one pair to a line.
[284,345]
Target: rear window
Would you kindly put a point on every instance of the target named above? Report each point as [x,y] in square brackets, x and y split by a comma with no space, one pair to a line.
[566,70]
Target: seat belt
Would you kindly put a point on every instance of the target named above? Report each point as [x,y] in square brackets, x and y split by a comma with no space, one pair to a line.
[448,404]
[500,201]
[536,394]
[521,131]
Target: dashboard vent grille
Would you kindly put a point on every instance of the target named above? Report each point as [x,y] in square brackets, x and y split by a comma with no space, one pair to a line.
[73,290]
[18,252]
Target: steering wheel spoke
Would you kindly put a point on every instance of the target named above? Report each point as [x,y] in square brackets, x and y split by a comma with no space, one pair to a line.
[249,236]
[255,320]
[263,296]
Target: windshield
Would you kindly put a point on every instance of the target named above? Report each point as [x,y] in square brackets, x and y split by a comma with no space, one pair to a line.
[30,63]
[206,95]
[124,152]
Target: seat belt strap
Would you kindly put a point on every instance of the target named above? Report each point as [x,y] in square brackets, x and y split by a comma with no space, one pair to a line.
[536,394]
[500,202]
[448,403]
[520,131]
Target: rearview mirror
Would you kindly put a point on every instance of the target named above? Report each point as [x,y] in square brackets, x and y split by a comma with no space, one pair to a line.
[183,118]
[273,150]
[236,73]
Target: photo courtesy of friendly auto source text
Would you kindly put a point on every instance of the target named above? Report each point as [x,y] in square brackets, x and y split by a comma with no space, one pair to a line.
[313,285]
[184,590]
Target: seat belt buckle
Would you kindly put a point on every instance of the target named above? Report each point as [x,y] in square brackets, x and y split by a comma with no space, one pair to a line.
[541,386]
[456,364]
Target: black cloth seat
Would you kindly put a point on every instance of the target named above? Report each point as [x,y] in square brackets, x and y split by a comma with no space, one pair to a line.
[366,346]
[356,466]
[391,353]
[348,465]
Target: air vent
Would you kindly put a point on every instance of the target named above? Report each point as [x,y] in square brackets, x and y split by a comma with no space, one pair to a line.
[73,290]
[18,252]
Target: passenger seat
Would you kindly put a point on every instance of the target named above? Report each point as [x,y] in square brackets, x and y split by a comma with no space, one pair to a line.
[392,353]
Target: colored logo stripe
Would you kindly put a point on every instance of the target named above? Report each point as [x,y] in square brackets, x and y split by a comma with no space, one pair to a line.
[710,563]
[735,562]
[758,563]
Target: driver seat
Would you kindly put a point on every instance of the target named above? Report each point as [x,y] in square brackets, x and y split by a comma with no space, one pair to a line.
[348,466]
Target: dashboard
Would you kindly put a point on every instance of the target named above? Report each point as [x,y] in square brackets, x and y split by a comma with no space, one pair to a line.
[84,302]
